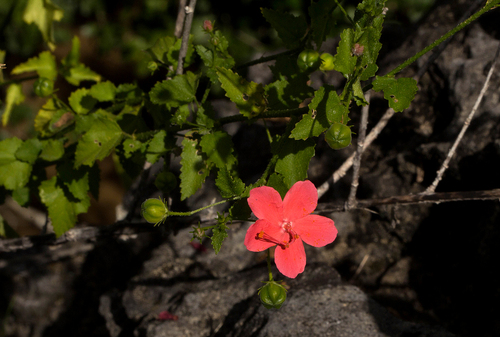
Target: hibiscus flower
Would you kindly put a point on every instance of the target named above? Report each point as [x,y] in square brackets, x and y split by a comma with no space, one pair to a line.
[286,223]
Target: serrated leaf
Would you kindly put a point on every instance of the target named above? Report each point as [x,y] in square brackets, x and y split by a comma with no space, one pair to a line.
[175,92]
[29,150]
[98,141]
[320,13]
[14,174]
[130,146]
[21,195]
[81,101]
[77,181]
[276,181]
[73,57]
[157,147]
[228,186]
[358,94]
[218,147]
[219,233]
[344,61]
[194,169]
[291,29]
[62,211]
[103,91]
[44,116]
[80,73]
[52,149]
[44,64]
[14,97]
[399,93]
[43,13]
[205,115]
[293,160]
[248,96]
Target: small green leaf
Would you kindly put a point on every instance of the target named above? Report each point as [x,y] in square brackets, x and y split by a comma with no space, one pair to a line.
[219,233]
[81,73]
[276,181]
[14,97]
[29,150]
[293,160]
[81,101]
[130,146]
[248,96]
[14,174]
[228,186]
[52,149]
[73,57]
[218,147]
[399,93]
[175,92]
[194,169]
[44,64]
[103,91]
[291,29]
[158,146]
[43,13]
[344,61]
[98,141]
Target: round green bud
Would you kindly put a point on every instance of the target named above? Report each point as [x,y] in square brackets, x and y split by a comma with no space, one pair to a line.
[152,66]
[338,136]
[43,87]
[154,210]
[272,295]
[308,60]
[326,62]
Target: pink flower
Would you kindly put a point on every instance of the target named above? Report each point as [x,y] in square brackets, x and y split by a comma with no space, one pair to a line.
[286,224]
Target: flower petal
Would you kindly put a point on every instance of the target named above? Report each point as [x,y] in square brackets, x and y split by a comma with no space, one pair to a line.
[266,203]
[300,200]
[292,260]
[315,230]
[273,235]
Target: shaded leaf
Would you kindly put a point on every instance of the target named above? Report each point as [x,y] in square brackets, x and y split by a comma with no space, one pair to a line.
[14,97]
[399,93]
[43,13]
[293,160]
[175,92]
[44,64]
[194,169]
[291,29]
[228,186]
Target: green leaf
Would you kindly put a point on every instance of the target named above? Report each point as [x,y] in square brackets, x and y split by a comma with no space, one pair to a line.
[61,211]
[276,181]
[228,186]
[80,73]
[158,146]
[219,233]
[14,97]
[399,93]
[166,51]
[43,13]
[73,57]
[14,174]
[166,181]
[324,109]
[344,61]
[44,116]
[248,96]
[293,160]
[81,101]
[194,169]
[175,92]
[98,141]
[103,91]
[130,146]
[52,149]
[218,147]
[291,29]
[29,150]
[320,13]
[44,64]
[21,195]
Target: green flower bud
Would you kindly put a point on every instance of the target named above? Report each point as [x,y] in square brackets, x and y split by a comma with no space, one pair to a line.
[308,60]
[152,66]
[154,211]
[338,136]
[43,87]
[326,62]
[272,295]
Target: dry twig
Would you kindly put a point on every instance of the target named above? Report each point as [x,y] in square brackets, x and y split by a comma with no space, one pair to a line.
[185,35]
[453,149]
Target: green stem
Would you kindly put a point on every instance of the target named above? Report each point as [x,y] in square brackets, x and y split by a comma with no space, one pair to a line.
[269,265]
[18,80]
[446,36]
[269,58]
[171,213]
[345,14]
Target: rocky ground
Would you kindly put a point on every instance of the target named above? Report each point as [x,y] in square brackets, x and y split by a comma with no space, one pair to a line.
[394,270]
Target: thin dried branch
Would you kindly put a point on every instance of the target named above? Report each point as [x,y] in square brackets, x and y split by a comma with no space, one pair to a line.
[185,35]
[433,198]
[351,201]
[179,22]
[453,149]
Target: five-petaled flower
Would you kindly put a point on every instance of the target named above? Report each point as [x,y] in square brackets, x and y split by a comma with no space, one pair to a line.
[286,223]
